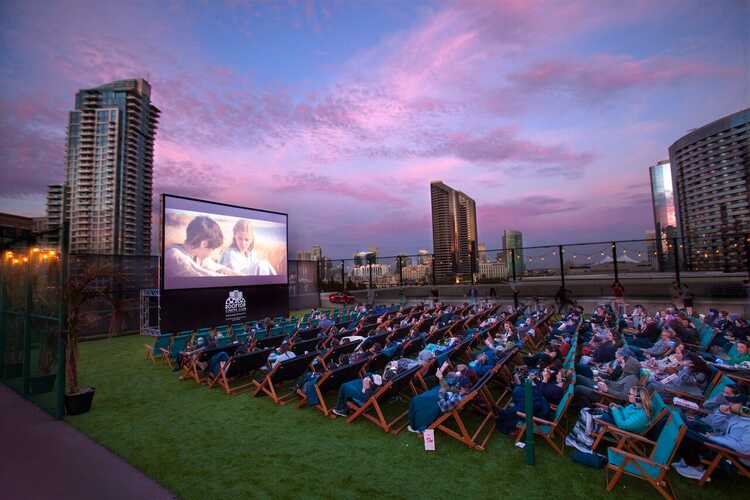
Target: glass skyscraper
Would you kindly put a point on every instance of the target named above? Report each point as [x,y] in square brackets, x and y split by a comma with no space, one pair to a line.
[665,219]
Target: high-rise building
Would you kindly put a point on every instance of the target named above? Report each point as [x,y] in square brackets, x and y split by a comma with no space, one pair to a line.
[109,169]
[513,240]
[482,252]
[665,220]
[711,177]
[316,253]
[55,206]
[454,234]
[304,256]
[424,257]
[652,254]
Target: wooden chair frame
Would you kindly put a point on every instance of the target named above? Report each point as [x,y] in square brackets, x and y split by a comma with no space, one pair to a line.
[373,403]
[661,483]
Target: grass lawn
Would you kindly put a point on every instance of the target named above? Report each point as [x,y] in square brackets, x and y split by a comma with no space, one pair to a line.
[204,444]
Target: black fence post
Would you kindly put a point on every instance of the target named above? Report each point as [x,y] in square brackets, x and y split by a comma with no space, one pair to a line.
[614,260]
[513,262]
[27,331]
[63,325]
[562,266]
[2,315]
[433,270]
[343,281]
[676,261]
[369,265]
[400,272]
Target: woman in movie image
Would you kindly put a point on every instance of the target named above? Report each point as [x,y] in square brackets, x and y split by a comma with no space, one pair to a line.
[192,258]
[241,256]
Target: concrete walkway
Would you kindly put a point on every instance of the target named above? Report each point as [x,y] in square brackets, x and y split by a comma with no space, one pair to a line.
[44,458]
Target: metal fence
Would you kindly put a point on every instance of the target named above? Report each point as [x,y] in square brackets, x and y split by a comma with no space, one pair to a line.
[649,267]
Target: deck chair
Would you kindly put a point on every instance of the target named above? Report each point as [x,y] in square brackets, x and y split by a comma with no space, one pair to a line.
[154,351]
[549,430]
[307,334]
[721,453]
[710,386]
[372,409]
[653,468]
[333,354]
[454,425]
[331,380]
[377,363]
[659,411]
[266,342]
[300,348]
[191,368]
[239,367]
[172,353]
[291,369]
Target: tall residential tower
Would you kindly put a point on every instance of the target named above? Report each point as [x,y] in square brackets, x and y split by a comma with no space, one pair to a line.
[109,169]
[711,176]
[454,234]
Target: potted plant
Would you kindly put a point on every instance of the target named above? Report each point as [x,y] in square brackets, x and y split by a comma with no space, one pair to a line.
[92,282]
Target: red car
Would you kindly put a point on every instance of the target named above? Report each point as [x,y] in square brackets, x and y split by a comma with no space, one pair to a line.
[341,298]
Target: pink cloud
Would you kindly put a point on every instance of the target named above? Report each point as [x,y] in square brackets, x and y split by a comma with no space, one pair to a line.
[607,73]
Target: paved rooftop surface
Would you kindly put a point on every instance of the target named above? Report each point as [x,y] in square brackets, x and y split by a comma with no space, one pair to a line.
[44,458]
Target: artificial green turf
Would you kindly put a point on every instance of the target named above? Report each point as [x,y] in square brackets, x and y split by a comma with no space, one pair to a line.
[203,444]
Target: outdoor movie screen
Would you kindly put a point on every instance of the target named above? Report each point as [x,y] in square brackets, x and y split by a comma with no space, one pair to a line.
[208,244]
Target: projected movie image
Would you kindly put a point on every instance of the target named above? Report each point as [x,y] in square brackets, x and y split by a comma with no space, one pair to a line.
[210,245]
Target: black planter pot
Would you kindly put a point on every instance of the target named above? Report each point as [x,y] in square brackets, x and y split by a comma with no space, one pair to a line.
[76,404]
[43,384]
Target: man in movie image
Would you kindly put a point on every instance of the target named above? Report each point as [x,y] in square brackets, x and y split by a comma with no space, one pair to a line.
[192,258]
[241,256]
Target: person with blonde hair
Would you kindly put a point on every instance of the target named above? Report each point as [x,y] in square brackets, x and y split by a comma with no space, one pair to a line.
[242,257]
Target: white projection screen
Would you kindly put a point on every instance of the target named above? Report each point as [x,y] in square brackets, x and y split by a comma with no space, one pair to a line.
[207,245]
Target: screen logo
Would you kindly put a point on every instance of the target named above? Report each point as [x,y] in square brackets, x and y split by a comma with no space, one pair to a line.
[235,307]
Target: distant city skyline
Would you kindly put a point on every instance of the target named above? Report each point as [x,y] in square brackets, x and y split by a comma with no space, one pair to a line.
[339,114]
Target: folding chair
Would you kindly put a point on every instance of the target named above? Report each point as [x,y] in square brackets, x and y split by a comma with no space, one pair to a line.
[301,347]
[330,380]
[161,342]
[549,429]
[237,368]
[191,366]
[659,411]
[720,454]
[266,342]
[172,353]
[372,409]
[653,468]
[291,369]
[479,399]
[335,352]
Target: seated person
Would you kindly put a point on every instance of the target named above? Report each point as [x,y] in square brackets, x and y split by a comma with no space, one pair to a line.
[635,418]
[629,371]
[740,356]
[728,427]
[426,407]
[280,354]
[360,390]
[691,378]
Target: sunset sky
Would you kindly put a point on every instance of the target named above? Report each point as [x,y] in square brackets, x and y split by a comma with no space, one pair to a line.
[340,113]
